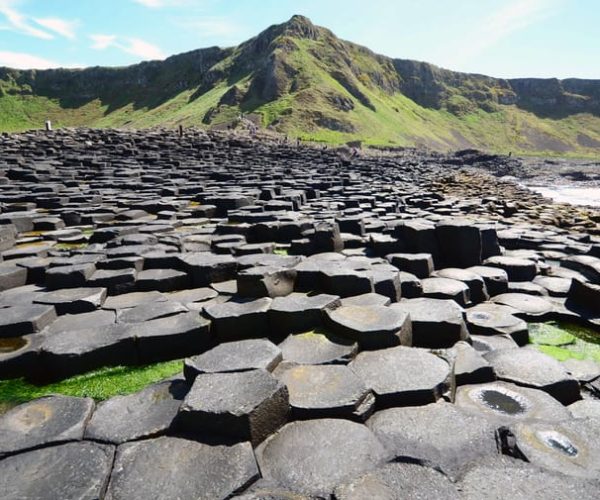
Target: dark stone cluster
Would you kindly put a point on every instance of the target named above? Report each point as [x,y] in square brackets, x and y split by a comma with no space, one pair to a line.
[353,325]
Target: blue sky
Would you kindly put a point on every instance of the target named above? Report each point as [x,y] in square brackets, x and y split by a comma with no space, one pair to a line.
[504,38]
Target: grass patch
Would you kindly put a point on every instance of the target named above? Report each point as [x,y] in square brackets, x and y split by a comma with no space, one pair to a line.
[99,384]
[281,251]
[70,246]
[565,341]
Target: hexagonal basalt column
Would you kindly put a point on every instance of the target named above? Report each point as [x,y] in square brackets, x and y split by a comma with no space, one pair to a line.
[243,405]
[314,456]
[183,468]
[326,391]
[373,327]
[403,376]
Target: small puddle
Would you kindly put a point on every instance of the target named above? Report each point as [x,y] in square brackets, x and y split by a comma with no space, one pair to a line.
[502,402]
[558,442]
[12,344]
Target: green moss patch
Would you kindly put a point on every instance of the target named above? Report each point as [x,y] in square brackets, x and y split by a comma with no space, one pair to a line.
[549,334]
[99,384]
[565,341]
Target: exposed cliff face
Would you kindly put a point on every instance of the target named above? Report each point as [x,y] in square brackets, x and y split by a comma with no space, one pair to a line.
[303,80]
[156,78]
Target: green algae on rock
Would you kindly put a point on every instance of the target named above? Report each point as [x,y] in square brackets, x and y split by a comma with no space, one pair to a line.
[565,341]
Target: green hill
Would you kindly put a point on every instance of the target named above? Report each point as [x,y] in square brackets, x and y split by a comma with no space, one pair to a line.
[301,80]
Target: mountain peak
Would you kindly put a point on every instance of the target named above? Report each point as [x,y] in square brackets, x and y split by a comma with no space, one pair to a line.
[300,26]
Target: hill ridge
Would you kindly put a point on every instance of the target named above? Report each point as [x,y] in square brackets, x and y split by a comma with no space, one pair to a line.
[300,79]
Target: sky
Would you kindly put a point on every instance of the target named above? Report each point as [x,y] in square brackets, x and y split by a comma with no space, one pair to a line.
[502,38]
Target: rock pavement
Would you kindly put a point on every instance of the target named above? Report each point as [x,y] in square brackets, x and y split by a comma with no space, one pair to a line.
[350,326]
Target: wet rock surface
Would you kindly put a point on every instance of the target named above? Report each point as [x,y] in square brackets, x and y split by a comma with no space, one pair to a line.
[295,284]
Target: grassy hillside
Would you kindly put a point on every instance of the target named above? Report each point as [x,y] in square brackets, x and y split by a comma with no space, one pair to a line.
[301,80]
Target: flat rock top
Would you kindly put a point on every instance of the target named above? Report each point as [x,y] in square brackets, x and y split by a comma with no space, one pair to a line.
[51,419]
[312,457]
[242,355]
[430,310]
[313,348]
[503,477]
[323,386]
[297,302]
[368,318]
[400,369]
[399,481]
[184,469]
[525,303]
[508,402]
[235,393]
[71,470]
[145,413]
[236,309]
[527,367]
[439,433]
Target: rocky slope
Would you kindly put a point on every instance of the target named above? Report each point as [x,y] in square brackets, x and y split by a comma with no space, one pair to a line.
[302,80]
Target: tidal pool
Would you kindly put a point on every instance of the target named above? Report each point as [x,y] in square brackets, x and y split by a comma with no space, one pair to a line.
[565,340]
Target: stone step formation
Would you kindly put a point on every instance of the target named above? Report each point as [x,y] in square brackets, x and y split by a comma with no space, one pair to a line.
[351,325]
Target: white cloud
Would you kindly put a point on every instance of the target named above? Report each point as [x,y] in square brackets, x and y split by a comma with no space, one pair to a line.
[102,42]
[511,17]
[143,49]
[158,4]
[134,46]
[61,26]
[19,22]
[20,60]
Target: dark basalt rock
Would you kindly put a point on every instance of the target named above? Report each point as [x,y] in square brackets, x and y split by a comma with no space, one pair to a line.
[495,279]
[585,408]
[150,311]
[403,376]
[508,403]
[569,447]
[21,320]
[205,268]
[247,406]
[296,459]
[496,319]
[399,481]
[436,323]
[240,320]
[470,367]
[527,307]
[298,312]
[255,243]
[201,471]
[503,477]
[515,268]
[446,288]
[243,355]
[531,368]
[460,243]
[265,281]
[147,413]
[42,422]
[71,470]
[373,327]
[169,338]
[71,352]
[440,434]
[477,289]
[133,299]
[315,348]
[419,264]
[326,391]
